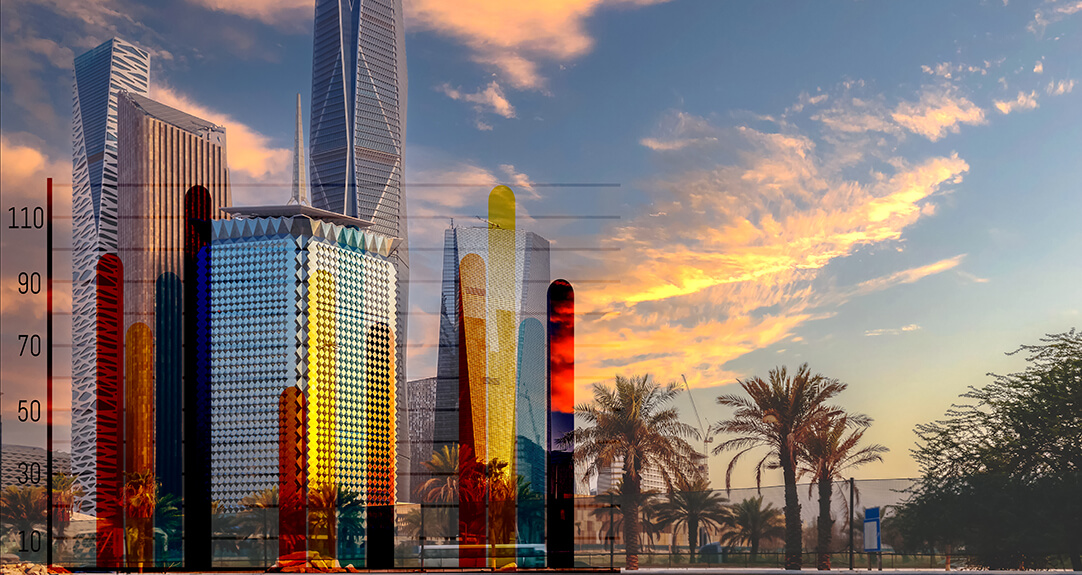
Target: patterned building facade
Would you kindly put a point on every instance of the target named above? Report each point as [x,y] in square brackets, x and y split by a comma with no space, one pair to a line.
[302,303]
[358,134]
[99,76]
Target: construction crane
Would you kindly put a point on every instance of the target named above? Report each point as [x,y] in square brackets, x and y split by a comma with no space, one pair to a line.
[706,437]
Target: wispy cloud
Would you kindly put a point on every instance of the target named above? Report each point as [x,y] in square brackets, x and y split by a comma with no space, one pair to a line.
[289,15]
[1024,101]
[488,99]
[939,111]
[678,130]
[733,256]
[1059,88]
[950,70]
[892,331]
[1051,12]
[514,37]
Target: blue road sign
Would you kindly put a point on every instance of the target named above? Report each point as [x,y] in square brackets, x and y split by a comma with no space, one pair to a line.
[872,541]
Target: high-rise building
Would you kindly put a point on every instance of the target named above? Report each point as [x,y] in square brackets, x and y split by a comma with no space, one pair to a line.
[99,75]
[302,305]
[491,389]
[610,476]
[422,403]
[357,136]
[173,180]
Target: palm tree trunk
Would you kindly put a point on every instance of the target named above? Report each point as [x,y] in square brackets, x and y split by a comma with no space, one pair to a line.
[826,525]
[793,557]
[632,522]
[693,539]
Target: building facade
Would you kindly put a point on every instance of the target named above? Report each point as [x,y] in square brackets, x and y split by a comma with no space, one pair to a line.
[173,180]
[492,382]
[99,76]
[422,403]
[357,138]
[610,476]
[301,304]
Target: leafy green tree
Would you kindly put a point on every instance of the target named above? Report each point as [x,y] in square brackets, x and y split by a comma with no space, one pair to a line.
[830,449]
[1002,471]
[752,524]
[693,505]
[779,416]
[634,421]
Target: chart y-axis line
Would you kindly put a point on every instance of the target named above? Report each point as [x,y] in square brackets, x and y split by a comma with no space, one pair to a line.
[49,372]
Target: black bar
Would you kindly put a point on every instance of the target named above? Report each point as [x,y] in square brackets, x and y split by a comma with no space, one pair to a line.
[850,523]
[49,371]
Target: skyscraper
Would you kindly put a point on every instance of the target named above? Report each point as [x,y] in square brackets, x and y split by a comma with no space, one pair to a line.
[173,179]
[302,302]
[99,74]
[358,132]
[491,378]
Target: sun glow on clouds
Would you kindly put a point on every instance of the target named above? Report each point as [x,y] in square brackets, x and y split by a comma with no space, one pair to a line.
[1022,102]
[733,256]
[513,37]
[249,152]
[938,112]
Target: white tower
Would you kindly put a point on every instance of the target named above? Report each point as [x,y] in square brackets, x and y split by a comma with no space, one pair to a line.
[300,192]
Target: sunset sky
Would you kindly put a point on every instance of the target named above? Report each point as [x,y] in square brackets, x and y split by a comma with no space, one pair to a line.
[891,192]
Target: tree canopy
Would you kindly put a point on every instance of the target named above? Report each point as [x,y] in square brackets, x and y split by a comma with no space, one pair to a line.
[1002,471]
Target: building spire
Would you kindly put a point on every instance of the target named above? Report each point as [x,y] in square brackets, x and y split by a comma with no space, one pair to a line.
[300,191]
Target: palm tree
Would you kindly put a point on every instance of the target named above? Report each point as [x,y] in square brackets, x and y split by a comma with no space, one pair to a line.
[752,523]
[259,518]
[610,511]
[694,505]
[23,508]
[65,491]
[824,455]
[633,422]
[253,521]
[140,501]
[778,416]
[441,489]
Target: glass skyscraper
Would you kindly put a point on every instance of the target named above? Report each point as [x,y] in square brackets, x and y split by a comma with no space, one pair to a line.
[358,132]
[99,75]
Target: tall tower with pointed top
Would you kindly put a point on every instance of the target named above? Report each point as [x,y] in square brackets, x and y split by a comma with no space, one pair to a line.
[357,137]
[100,74]
[300,184]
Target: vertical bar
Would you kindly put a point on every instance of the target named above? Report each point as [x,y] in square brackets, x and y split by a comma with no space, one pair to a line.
[49,371]
[561,466]
[851,523]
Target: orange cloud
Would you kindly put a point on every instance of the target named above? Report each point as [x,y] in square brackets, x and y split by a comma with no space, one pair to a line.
[938,112]
[1022,102]
[513,36]
[249,152]
[730,257]
[24,167]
